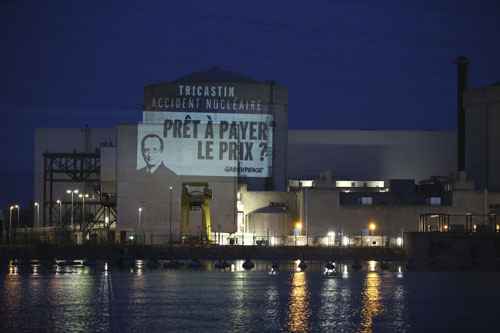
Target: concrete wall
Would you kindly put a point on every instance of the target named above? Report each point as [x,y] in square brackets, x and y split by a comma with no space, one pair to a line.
[276,224]
[272,225]
[371,155]
[450,251]
[482,143]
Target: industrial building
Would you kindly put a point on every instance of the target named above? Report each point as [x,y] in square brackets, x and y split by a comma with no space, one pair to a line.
[213,160]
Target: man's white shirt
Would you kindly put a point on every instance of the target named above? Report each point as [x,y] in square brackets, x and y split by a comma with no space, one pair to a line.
[153,169]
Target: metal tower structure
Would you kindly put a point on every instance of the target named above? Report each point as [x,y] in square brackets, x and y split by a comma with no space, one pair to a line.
[70,169]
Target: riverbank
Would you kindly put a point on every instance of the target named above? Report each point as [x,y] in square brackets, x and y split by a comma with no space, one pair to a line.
[111,252]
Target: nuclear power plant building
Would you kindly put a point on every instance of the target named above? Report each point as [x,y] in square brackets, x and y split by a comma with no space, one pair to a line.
[213,160]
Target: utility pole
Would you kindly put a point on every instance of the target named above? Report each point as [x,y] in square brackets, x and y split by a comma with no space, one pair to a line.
[170,216]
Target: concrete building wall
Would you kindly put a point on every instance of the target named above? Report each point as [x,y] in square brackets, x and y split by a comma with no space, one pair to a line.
[482,143]
[269,225]
[363,155]
[276,222]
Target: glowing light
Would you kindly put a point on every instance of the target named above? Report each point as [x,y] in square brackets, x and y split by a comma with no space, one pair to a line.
[498,227]
[298,226]
[330,238]
[474,227]
[445,227]
[345,272]
[399,241]
[36,204]
[345,241]
[140,266]
[372,264]
[140,209]
[400,272]
[372,226]
[297,263]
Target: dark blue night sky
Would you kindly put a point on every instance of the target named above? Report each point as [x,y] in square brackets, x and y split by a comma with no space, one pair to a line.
[348,64]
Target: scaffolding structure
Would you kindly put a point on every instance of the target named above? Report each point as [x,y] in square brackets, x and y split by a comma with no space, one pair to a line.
[96,212]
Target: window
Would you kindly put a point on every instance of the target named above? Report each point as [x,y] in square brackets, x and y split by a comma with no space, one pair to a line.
[435,201]
[306,183]
[366,200]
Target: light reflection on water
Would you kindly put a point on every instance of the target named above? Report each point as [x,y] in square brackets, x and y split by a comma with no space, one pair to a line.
[79,299]
[371,306]
[298,307]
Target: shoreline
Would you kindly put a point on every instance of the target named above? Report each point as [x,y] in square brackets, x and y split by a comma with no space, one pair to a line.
[112,252]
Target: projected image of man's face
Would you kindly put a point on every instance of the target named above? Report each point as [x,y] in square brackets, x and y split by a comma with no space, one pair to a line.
[152,148]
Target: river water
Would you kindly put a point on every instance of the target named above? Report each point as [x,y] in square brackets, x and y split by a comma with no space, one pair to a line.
[84,299]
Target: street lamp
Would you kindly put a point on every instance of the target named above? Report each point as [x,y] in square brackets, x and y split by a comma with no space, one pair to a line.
[331,236]
[59,203]
[11,208]
[10,223]
[72,192]
[297,231]
[83,197]
[37,221]
[371,228]
[345,241]
[170,215]
[139,216]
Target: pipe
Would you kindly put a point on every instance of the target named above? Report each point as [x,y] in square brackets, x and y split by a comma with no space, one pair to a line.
[462,64]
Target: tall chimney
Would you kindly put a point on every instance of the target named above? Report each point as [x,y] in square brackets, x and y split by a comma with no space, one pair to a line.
[462,64]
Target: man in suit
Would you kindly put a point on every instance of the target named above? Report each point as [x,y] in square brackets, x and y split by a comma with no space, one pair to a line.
[152,147]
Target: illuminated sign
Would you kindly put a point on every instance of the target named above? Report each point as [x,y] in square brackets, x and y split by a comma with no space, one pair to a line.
[197,144]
